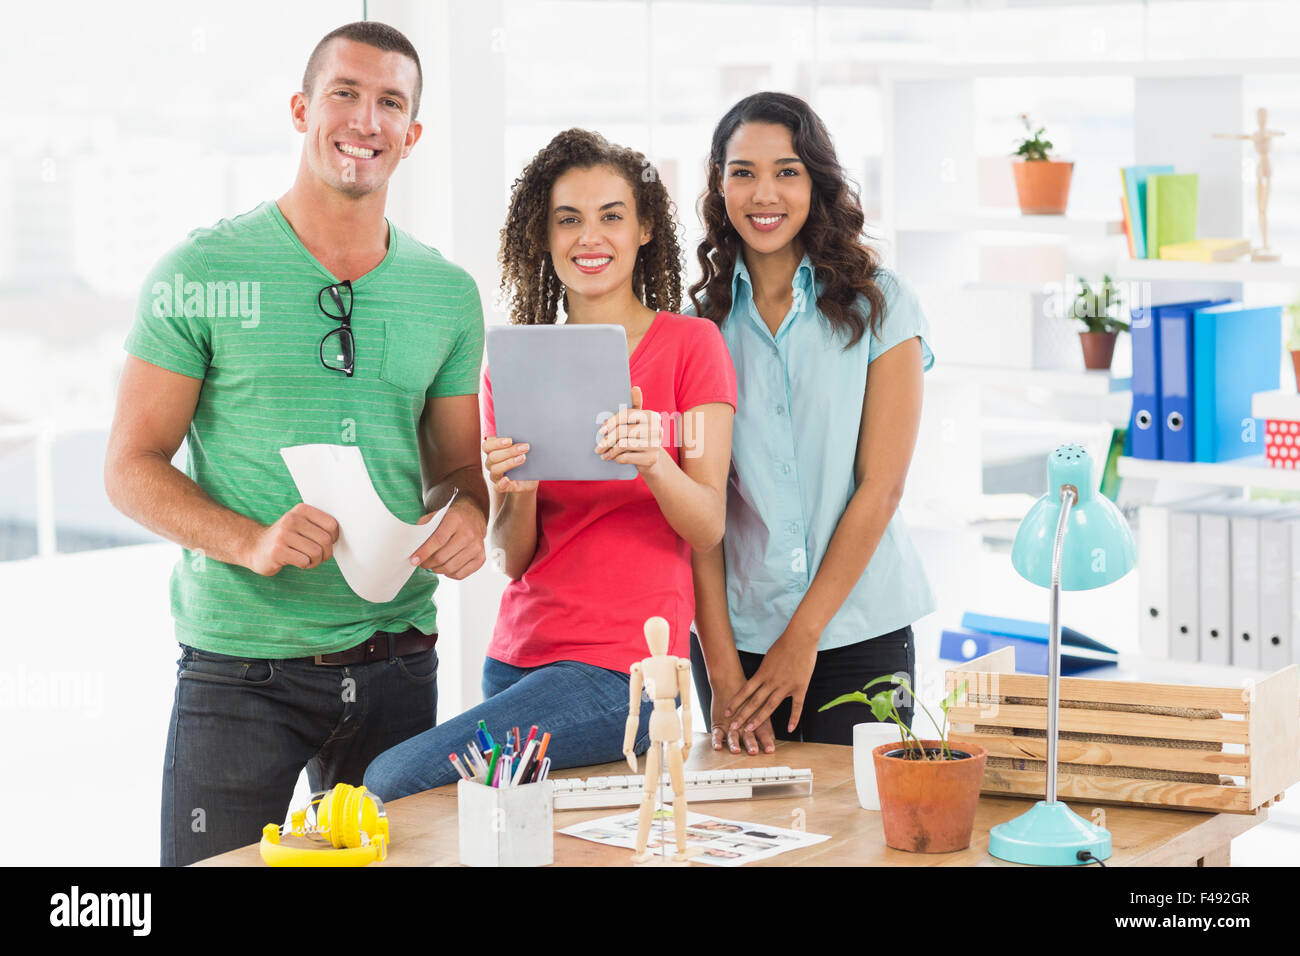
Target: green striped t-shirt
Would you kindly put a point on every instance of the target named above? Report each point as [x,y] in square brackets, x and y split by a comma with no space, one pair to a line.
[236,306]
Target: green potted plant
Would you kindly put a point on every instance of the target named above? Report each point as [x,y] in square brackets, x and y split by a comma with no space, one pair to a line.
[1098,310]
[1042,184]
[928,790]
[1293,339]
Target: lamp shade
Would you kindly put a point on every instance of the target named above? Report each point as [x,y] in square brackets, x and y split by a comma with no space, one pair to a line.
[1098,543]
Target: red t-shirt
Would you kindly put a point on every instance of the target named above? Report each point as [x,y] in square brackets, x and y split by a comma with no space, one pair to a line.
[607,559]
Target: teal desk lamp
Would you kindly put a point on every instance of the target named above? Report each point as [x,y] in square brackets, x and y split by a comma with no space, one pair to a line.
[1072,538]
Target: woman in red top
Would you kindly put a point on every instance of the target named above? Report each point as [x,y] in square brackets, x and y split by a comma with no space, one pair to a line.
[591,228]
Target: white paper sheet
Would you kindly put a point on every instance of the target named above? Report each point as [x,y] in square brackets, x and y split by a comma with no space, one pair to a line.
[710,839]
[374,547]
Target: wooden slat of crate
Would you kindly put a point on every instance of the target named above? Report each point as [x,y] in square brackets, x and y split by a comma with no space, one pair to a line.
[1100,754]
[1228,700]
[1274,746]
[1158,793]
[1106,722]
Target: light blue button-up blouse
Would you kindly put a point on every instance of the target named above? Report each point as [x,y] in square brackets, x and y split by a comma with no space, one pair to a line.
[794,443]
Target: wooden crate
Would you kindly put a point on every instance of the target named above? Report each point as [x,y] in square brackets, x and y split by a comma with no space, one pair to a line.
[1217,749]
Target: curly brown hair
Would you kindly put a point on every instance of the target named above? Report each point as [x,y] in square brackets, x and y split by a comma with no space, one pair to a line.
[832,235]
[528,281]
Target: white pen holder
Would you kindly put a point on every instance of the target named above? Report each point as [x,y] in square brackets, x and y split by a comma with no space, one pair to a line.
[866,737]
[506,827]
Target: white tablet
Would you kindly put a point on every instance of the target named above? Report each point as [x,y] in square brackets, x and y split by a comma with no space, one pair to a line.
[552,387]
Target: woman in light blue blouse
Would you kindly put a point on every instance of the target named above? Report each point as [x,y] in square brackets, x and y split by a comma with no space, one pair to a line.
[816,584]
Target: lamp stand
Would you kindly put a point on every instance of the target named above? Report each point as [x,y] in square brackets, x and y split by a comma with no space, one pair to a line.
[1050,833]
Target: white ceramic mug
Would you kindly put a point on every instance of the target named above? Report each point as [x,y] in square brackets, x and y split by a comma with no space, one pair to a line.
[866,737]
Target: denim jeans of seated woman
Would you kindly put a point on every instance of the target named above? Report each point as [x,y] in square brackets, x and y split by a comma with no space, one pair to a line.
[583,707]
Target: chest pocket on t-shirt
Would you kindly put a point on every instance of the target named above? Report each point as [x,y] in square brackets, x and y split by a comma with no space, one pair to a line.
[414,350]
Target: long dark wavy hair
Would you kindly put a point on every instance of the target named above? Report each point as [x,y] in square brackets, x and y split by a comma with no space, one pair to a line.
[528,281]
[832,235]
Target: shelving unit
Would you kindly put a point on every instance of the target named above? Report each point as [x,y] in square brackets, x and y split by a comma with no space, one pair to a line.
[1242,270]
[1094,384]
[1244,473]
[1225,67]
[1002,220]
[951,247]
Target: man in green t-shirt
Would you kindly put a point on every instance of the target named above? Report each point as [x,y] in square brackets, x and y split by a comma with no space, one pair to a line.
[307,320]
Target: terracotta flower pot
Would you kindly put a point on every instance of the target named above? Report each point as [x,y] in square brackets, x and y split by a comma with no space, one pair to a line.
[1295,360]
[928,806]
[1043,186]
[1098,349]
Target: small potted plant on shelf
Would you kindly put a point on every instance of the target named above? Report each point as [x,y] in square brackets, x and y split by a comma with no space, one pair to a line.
[928,790]
[1042,184]
[1098,310]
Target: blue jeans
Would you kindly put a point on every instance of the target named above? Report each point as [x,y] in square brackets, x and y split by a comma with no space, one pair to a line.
[584,708]
[242,729]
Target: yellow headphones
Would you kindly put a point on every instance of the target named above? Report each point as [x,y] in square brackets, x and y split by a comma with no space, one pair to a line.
[352,819]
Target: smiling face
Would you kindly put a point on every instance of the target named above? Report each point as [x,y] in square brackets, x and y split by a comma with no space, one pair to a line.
[357,120]
[593,232]
[765,186]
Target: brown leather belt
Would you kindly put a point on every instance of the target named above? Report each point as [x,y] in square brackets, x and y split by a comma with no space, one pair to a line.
[379,646]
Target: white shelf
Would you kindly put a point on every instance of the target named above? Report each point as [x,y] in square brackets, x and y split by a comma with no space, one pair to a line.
[1245,472]
[1011,220]
[1223,66]
[1058,381]
[1240,271]
[1281,404]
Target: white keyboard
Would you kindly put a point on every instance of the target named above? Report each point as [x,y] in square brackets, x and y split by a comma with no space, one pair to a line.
[573,793]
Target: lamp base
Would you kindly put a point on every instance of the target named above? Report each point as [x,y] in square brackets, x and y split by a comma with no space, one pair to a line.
[1048,834]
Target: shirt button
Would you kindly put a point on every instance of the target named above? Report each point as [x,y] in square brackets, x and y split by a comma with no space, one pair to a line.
[794,528]
[780,409]
[795,586]
[785,469]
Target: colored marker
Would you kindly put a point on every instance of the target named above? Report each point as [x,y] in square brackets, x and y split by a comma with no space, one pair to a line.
[541,754]
[492,766]
[455,762]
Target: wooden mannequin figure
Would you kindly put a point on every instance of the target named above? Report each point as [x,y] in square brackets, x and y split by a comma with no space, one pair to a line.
[664,678]
[1262,139]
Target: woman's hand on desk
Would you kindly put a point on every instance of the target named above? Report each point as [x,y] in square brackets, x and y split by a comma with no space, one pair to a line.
[760,738]
[502,454]
[786,669]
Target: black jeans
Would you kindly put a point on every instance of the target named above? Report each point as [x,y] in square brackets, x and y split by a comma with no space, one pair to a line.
[242,729]
[836,672]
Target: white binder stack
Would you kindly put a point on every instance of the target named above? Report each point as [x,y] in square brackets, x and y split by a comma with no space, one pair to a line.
[1219,581]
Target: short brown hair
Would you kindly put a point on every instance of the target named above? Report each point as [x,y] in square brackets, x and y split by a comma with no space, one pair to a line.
[378,35]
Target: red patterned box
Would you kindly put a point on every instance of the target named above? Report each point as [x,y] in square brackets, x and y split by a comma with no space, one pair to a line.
[1282,443]
[1281,413]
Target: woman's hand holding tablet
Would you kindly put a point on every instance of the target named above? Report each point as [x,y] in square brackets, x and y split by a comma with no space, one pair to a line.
[502,455]
[633,436]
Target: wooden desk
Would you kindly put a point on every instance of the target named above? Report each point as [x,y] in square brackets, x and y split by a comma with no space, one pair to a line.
[425,831]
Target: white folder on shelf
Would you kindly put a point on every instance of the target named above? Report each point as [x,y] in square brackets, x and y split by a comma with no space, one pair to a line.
[1244,535]
[1153,581]
[1279,590]
[1214,621]
[1184,579]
